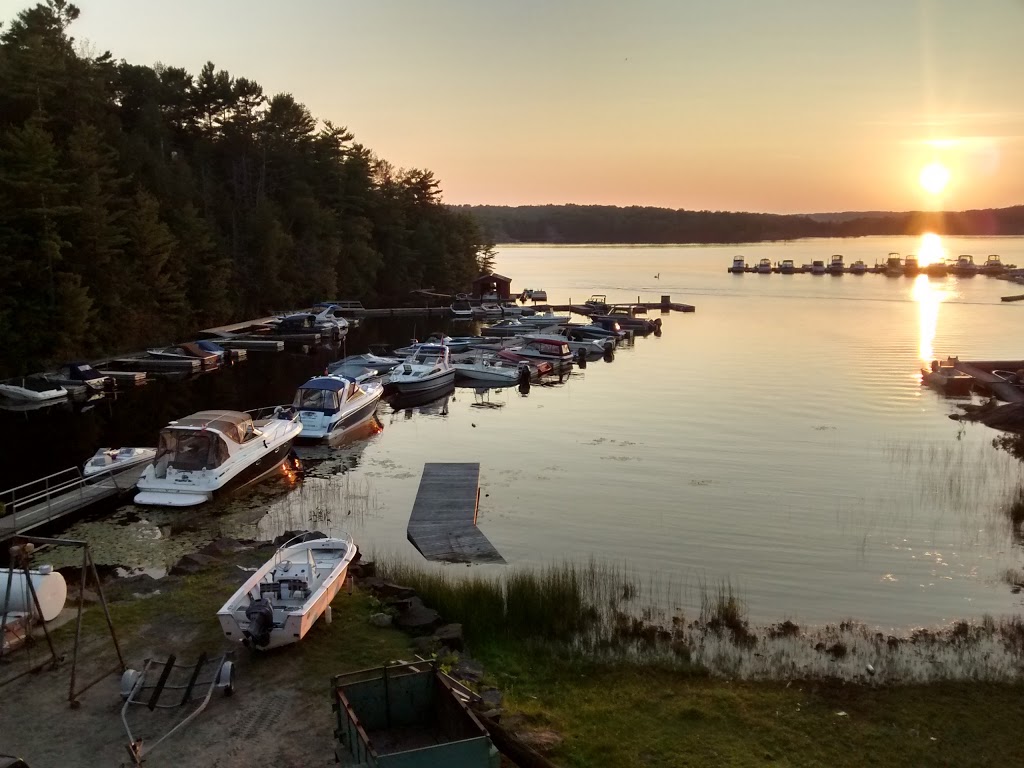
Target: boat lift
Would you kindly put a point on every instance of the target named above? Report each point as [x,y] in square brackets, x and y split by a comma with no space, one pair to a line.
[134,685]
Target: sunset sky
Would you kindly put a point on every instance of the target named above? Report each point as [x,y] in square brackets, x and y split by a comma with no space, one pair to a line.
[798,106]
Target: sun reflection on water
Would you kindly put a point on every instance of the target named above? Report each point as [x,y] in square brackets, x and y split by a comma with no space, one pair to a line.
[930,250]
[928,297]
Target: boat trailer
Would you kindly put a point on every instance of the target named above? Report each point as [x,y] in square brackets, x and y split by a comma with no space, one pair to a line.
[188,678]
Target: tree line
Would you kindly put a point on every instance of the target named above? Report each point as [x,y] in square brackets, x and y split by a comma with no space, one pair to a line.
[612,224]
[139,204]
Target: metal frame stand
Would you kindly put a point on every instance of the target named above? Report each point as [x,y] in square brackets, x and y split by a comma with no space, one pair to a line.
[88,567]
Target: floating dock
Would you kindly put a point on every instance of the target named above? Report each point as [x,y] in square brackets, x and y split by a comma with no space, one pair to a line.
[126,378]
[159,364]
[42,501]
[443,521]
[1018,297]
[981,371]
[256,345]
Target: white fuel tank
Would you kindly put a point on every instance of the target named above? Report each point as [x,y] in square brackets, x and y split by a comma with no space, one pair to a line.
[51,589]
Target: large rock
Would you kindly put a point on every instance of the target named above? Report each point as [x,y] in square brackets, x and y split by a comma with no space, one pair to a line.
[450,636]
[363,569]
[417,619]
[222,546]
[194,563]
[381,620]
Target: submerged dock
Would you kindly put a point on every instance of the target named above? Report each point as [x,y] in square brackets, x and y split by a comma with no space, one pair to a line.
[63,493]
[443,521]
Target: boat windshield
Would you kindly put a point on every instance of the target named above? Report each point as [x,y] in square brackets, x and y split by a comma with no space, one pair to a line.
[190,450]
[426,358]
[316,400]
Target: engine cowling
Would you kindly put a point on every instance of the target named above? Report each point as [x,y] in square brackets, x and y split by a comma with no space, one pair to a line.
[260,614]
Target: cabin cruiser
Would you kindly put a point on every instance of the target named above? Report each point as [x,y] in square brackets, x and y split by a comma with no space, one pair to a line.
[836,267]
[739,266]
[429,367]
[535,295]
[993,265]
[625,316]
[508,327]
[911,267]
[282,600]
[936,269]
[858,267]
[493,370]
[80,375]
[555,350]
[362,367]
[461,309]
[213,451]
[893,265]
[114,460]
[964,266]
[787,267]
[187,351]
[590,347]
[818,267]
[330,404]
[33,389]
[327,320]
[764,267]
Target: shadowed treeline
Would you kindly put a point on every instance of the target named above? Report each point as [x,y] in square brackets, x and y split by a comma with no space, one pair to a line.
[611,224]
[138,204]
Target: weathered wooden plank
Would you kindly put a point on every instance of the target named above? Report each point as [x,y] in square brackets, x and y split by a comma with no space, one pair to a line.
[442,525]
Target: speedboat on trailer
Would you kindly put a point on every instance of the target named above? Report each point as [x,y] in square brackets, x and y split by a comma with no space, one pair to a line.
[282,600]
[429,367]
[213,451]
[331,404]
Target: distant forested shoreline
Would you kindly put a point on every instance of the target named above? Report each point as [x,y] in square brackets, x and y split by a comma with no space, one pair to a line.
[611,224]
[139,204]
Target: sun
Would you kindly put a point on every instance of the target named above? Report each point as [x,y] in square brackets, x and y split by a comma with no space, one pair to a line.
[934,177]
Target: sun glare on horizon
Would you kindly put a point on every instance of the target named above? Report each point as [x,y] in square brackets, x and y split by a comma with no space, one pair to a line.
[934,177]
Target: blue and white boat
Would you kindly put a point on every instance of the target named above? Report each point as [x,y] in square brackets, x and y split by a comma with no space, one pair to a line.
[362,367]
[330,404]
[428,368]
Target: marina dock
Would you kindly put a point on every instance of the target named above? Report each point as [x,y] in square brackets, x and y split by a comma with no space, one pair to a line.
[443,521]
[126,378]
[41,501]
[159,364]
[982,373]
[257,345]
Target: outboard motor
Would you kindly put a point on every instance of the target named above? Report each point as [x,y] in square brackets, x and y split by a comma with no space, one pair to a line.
[524,376]
[609,351]
[260,614]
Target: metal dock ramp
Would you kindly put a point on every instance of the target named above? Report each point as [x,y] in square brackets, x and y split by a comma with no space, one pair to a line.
[443,521]
[41,501]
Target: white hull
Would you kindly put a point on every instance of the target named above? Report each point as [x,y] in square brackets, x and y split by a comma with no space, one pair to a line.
[406,384]
[30,395]
[316,425]
[321,564]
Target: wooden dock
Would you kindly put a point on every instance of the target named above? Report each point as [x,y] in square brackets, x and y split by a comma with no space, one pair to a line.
[159,364]
[1018,297]
[126,378]
[982,373]
[256,345]
[42,501]
[443,521]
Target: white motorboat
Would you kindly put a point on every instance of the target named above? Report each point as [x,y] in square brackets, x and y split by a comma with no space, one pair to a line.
[858,267]
[836,266]
[114,460]
[213,451]
[362,367]
[494,370]
[511,309]
[818,267]
[429,367]
[330,404]
[461,309]
[739,266]
[187,351]
[508,327]
[555,350]
[964,266]
[282,600]
[787,267]
[33,389]
[764,267]
[544,319]
[490,309]
[435,340]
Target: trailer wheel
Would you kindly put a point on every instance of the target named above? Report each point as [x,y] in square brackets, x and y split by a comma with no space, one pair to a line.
[128,680]
[226,678]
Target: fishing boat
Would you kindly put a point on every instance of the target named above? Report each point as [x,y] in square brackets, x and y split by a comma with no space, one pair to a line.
[32,389]
[114,460]
[787,267]
[964,266]
[493,370]
[330,404]
[80,375]
[739,266]
[282,600]
[211,452]
[947,379]
[764,267]
[858,267]
[461,309]
[836,266]
[429,367]
[364,366]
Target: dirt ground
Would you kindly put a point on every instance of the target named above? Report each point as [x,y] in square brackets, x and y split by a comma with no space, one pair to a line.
[267,721]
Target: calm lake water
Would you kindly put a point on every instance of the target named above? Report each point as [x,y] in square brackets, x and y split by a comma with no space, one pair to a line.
[778,438]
